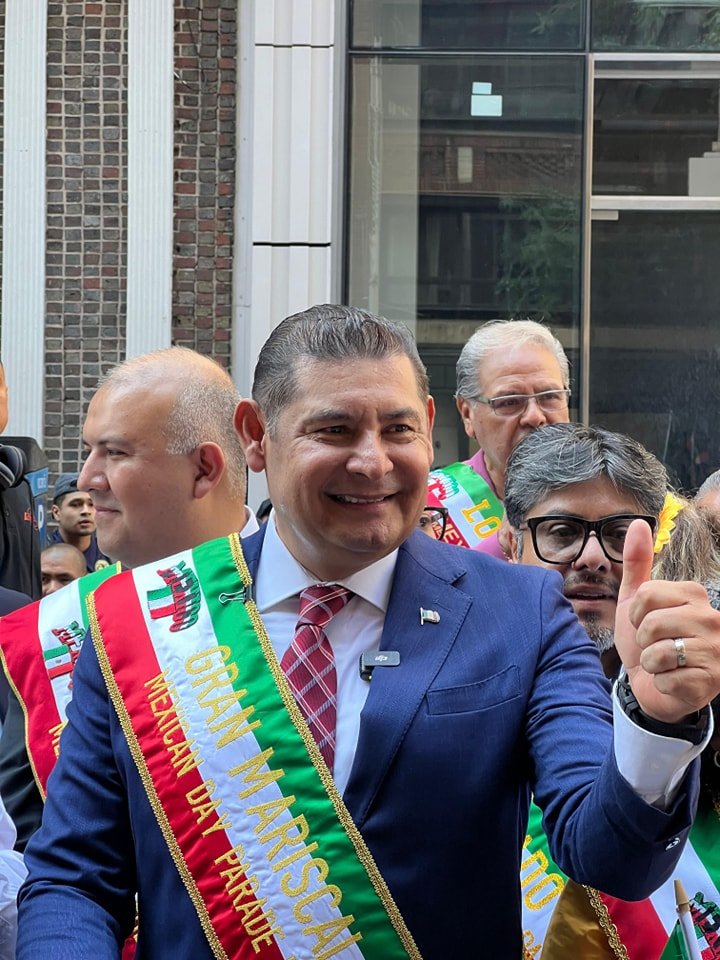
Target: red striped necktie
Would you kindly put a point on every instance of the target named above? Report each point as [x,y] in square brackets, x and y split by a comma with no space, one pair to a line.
[309,663]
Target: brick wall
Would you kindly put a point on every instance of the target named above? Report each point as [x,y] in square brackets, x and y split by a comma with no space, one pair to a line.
[86,185]
[205,45]
[86,198]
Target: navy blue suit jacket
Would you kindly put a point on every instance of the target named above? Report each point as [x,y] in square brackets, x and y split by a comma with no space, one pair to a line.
[504,694]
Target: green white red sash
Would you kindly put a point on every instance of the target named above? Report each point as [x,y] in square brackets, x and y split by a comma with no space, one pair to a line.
[634,930]
[643,928]
[40,644]
[475,511]
[541,883]
[268,852]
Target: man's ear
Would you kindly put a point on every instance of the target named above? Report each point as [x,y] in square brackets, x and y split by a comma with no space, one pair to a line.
[250,428]
[209,461]
[55,511]
[431,411]
[464,409]
[512,543]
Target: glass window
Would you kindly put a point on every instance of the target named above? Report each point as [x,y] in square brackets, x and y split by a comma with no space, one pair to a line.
[655,359]
[656,25]
[655,362]
[465,201]
[647,130]
[469,24]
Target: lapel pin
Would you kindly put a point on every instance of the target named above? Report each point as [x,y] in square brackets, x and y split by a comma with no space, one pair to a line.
[429,616]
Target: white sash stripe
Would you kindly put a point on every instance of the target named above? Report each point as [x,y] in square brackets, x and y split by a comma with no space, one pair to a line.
[691,871]
[455,504]
[172,651]
[58,610]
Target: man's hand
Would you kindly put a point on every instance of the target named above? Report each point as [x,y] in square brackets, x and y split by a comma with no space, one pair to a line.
[650,615]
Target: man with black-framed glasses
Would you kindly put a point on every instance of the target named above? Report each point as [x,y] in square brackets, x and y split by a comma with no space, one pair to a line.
[571,494]
[512,377]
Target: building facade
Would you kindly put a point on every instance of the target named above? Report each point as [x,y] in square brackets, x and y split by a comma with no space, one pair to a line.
[191,171]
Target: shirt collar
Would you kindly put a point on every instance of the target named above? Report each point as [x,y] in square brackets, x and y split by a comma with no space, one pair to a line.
[280,576]
[251,524]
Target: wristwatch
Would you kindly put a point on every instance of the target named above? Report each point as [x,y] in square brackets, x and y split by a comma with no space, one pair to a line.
[693,730]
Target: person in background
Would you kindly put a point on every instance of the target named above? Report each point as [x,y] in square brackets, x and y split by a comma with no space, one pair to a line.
[263,512]
[9,600]
[165,469]
[12,874]
[19,540]
[433,519]
[60,564]
[708,495]
[571,494]
[708,500]
[74,512]
[512,377]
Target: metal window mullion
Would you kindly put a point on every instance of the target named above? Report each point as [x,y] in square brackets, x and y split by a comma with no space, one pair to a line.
[585,311]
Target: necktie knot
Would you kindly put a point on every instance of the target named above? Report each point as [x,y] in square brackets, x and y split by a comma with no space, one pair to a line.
[321,602]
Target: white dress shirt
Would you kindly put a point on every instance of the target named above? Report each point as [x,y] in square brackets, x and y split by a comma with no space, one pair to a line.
[653,765]
[354,630]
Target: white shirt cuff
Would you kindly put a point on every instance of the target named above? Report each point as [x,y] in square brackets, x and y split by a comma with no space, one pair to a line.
[654,766]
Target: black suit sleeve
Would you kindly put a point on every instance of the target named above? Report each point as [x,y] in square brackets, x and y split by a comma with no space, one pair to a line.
[18,789]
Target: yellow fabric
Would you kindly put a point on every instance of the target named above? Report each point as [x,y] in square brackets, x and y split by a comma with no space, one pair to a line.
[574,929]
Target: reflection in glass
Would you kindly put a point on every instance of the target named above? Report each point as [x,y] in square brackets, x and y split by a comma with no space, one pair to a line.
[647,130]
[655,370]
[656,25]
[469,24]
[456,217]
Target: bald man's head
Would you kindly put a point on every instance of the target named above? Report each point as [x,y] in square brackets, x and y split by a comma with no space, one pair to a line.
[60,564]
[165,468]
[204,398]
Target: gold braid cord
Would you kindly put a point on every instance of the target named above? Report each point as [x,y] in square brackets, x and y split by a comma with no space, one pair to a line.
[608,927]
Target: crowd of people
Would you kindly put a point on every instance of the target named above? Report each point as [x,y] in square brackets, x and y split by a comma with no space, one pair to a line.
[378,724]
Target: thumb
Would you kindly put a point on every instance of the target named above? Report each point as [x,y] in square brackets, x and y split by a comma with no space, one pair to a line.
[637,567]
[638,559]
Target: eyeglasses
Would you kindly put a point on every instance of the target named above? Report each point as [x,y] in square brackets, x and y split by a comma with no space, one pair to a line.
[433,521]
[562,539]
[514,404]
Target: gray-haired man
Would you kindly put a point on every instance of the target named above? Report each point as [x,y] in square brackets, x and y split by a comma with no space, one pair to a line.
[512,377]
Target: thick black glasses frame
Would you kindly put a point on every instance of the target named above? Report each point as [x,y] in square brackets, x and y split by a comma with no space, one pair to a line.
[590,526]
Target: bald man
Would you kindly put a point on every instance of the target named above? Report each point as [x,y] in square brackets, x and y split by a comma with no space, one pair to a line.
[60,564]
[166,472]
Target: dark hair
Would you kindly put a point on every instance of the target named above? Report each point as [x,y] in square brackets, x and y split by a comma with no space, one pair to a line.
[331,333]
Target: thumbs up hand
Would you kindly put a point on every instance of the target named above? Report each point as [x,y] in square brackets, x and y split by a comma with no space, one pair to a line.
[667,635]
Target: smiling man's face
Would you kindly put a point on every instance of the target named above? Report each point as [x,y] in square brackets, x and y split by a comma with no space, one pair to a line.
[592,580]
[347,462]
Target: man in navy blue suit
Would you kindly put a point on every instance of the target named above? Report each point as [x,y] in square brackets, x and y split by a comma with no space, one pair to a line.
[495,691]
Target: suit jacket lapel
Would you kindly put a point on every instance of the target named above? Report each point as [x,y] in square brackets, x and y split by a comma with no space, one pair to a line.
[251,547]
[423,578]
